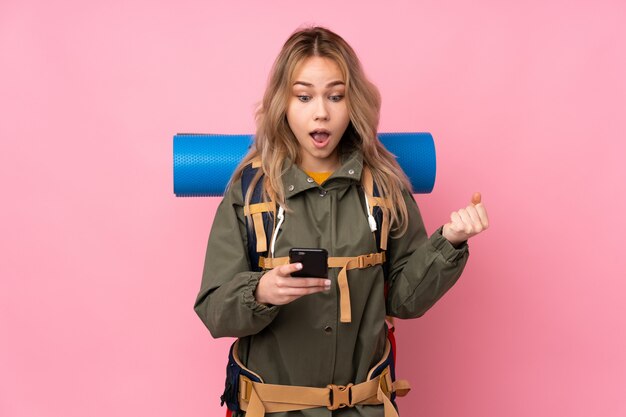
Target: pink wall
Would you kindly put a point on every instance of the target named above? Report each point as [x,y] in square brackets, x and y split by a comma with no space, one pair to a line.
[100,263]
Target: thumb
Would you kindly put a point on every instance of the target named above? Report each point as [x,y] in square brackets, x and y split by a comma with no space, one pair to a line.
[476,198]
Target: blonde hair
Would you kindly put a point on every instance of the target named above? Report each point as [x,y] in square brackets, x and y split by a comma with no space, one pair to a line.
[274,142]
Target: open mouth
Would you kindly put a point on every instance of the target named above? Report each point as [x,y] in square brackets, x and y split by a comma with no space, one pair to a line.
[320,137]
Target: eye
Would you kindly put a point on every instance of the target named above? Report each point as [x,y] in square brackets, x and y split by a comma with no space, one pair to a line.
[304,98]
[335,98]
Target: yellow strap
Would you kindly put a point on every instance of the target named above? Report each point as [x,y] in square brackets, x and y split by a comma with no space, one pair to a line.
[259,230]
[255,407]
[257,210]
[401,387]
[368,185]
[384,232]
[267,206]
[285,397]
[384,204]
[345,311]
[257,398]
[390,410]
[271,263]
[345,263]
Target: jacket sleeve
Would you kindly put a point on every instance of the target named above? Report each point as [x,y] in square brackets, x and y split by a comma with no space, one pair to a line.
[226,302]
[421,269]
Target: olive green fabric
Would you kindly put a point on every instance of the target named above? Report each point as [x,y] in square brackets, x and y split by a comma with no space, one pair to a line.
[303,343]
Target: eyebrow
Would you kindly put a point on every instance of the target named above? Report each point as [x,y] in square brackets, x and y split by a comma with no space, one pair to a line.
[330,84]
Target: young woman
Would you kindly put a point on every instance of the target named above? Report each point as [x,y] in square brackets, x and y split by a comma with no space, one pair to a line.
[315,149]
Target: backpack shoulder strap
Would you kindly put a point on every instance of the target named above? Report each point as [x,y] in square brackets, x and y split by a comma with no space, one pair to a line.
[381,211]
[379,208]
[262,213]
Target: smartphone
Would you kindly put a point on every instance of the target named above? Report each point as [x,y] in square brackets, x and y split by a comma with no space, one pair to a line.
[314,262]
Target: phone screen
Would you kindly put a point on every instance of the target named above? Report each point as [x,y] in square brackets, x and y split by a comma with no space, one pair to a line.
[314,262]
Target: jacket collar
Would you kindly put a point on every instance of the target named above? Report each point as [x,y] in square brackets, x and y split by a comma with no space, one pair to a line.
[295,180]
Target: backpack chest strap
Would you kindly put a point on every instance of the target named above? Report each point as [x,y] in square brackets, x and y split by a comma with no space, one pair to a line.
[346,263]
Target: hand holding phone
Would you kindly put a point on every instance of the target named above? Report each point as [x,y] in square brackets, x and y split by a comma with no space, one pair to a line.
[278,287]
[314,262]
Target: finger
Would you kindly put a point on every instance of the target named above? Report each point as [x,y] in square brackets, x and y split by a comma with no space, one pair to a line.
[467,221]
[457,222]
[299,292]
[482,213]
[286,270]
[307,282]
[476,198]
[477,225]
[288,295]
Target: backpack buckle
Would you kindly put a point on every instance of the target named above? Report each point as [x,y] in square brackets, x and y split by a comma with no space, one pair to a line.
[365,261]
[246,388]
[339,396]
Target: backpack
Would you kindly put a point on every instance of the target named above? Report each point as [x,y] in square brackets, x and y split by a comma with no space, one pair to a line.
[263,221]
[264,215]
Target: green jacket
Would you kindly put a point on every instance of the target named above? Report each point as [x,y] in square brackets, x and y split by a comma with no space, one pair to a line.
[303,343]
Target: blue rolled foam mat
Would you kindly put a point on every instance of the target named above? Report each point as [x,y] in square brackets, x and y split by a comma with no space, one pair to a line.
[204,163]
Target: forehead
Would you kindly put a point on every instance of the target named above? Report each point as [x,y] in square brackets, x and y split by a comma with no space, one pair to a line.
[316,68]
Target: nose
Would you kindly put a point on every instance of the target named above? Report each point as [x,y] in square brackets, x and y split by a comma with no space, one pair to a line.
[321,112]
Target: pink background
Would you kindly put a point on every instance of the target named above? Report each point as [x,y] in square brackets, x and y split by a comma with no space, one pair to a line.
[100,263]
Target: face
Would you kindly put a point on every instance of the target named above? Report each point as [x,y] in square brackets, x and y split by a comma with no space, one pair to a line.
[317,113]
